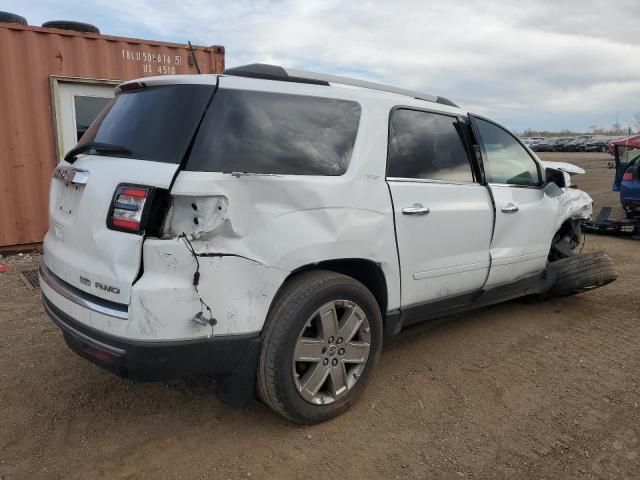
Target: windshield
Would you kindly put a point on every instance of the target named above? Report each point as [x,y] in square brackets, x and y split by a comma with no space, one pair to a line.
[154,123]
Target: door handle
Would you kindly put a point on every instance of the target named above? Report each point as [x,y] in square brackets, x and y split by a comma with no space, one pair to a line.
[510,208]
[416,209]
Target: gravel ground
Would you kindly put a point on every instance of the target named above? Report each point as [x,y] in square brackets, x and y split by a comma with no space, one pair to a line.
[548,390]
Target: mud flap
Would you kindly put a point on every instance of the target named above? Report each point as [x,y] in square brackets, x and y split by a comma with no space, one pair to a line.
[238,389]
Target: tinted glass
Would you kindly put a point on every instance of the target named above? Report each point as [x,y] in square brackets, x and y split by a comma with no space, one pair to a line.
[427,145]
[86,110]
[155,123]
[507,161]
[263,132]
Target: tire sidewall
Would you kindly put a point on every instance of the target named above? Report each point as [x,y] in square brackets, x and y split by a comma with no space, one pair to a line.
[348,290]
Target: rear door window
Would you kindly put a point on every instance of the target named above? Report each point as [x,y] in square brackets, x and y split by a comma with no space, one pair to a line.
[425,145]
[154,123]
[274,133]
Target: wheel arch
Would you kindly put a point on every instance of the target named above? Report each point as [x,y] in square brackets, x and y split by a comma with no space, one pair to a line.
[566,238]
[367,272]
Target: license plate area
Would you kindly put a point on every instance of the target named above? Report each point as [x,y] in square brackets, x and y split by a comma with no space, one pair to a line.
[67,200]
[68,186]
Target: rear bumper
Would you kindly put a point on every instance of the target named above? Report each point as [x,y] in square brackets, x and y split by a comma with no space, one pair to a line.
[235,355]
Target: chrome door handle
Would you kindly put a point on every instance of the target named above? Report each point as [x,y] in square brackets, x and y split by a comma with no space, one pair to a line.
[510,208]
[416,209]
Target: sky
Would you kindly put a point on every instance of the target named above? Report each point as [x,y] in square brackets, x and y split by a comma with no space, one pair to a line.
[541,64]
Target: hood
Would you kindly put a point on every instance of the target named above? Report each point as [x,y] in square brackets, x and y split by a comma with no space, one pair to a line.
[569,168]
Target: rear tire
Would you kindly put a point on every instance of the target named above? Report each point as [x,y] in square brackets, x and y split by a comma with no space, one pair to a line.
[294,319]
[580,273]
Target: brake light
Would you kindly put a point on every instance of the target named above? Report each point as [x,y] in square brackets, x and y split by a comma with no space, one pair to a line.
[127,212]
[628,176]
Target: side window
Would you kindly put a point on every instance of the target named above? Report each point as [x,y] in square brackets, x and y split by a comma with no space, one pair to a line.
[427,146]
[275,133]
[507,161]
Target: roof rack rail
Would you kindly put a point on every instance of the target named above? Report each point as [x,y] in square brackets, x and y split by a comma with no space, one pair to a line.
[274,72]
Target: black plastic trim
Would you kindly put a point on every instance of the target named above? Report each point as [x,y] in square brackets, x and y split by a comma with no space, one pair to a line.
[269,72]
[233,357]
[532,285]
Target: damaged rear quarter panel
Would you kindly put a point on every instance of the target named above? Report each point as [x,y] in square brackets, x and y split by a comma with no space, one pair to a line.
[164,300]
[288,222]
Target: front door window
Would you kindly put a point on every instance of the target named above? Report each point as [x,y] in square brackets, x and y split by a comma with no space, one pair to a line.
[507,161]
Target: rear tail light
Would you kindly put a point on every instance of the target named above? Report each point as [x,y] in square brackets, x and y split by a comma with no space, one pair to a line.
[628,176]
[129,208]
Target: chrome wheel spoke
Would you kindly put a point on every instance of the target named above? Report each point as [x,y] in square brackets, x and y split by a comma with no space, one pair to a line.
[338,380]
[329,321]
[308,350]
[314,379]
[349,324]
[356,352]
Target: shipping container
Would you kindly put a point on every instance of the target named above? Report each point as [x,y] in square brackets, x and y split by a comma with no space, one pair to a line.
[53,83]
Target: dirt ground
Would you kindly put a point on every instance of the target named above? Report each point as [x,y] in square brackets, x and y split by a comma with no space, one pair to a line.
[548,390]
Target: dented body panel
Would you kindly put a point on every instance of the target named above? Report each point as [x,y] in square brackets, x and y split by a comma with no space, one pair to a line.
[291,221]
[163,301]
[521,240]
[238,290]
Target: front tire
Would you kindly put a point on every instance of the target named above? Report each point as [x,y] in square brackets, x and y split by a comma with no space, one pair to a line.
[321,342]
[581,273]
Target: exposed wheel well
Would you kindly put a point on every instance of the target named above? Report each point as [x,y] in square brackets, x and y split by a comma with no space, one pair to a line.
[565,240]
[368,273]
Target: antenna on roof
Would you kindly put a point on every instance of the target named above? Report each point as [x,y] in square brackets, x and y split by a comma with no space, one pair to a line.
[195,59]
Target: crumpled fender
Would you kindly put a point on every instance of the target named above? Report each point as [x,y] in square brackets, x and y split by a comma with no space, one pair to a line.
[573,204]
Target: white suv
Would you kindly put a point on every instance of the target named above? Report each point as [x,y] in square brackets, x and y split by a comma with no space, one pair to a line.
[270,226]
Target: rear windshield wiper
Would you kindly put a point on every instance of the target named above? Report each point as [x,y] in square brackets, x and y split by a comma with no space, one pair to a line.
[96,146]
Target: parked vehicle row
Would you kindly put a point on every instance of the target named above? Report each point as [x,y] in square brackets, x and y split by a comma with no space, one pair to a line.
[581,143]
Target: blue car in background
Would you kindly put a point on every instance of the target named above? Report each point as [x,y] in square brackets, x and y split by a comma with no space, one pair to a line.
[627,179]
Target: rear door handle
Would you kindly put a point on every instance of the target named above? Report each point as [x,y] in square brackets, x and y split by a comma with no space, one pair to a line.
[510,208]
[416,209]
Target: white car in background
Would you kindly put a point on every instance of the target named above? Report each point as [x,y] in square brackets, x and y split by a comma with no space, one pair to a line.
[271,226]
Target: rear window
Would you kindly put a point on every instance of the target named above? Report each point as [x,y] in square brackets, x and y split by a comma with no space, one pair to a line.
[264,132]
[155,123]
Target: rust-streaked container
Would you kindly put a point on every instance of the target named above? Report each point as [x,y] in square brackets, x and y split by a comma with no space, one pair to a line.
[33,63]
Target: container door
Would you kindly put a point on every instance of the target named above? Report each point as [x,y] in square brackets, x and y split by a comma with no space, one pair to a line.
[78,105]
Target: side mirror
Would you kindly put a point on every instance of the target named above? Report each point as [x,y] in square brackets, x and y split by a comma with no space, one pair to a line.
[553,175]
